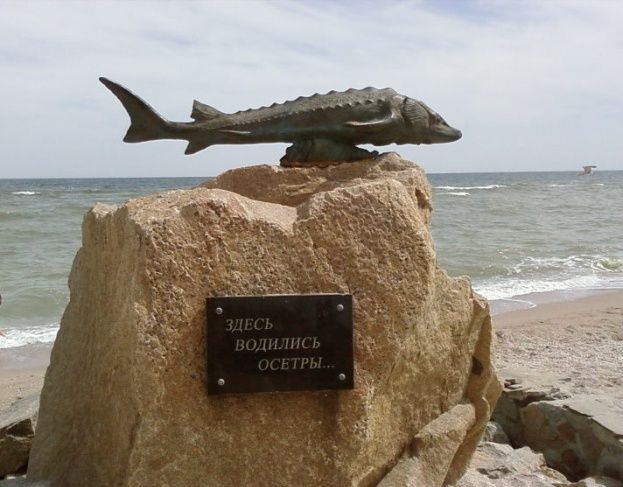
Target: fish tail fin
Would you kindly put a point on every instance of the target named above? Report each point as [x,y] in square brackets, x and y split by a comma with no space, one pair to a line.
[146,123]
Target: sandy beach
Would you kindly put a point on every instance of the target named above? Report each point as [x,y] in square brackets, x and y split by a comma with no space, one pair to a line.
[578,341]
[22,370]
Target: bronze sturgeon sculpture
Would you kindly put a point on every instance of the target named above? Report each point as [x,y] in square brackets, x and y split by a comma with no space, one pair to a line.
[320,127]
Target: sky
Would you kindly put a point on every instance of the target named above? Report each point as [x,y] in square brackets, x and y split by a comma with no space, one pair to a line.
[533,85]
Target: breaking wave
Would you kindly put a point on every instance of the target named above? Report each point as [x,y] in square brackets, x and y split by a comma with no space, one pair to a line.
[535,274]
[541,264]
[29,335]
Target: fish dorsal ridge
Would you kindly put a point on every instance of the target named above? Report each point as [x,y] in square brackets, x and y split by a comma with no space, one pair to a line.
[328,101]
[202,112]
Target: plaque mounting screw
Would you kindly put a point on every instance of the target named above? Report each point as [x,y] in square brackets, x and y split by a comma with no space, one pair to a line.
[219,311]
[341,377]
[340,307]
[221,382]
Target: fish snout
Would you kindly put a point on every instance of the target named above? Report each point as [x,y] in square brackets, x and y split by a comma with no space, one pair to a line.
[445,133]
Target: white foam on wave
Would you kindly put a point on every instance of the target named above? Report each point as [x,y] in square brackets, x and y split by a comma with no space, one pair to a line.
[527,304]
[584,261]
[608,265]
[489,186]
[545,274]
[509,288]
[459,193]
[26,193]
[29,335]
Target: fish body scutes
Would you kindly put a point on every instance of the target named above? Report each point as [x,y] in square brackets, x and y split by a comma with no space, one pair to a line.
[322,114]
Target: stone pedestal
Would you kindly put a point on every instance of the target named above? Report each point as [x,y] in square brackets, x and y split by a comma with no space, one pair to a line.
[125,402]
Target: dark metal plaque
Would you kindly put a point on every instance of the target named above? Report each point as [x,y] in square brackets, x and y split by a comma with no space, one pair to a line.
[280,343]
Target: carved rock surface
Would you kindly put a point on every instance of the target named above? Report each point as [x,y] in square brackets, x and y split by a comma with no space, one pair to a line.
[17,425]
[124,401]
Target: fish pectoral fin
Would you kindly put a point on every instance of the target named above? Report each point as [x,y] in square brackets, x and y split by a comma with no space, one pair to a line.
[195,146]
[373,124]
[202,112]
[234,132]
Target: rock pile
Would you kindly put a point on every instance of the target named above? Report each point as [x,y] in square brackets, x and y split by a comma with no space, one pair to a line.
[562,365]
[580,435]
[497,464]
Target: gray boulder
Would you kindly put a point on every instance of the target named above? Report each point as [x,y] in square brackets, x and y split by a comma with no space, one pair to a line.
[17,428]
[499,465]
[495,433]
[578,434]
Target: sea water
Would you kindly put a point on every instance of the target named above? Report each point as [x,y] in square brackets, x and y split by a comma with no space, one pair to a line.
[511,233]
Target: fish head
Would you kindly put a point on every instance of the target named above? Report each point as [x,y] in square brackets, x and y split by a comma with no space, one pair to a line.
[425,126]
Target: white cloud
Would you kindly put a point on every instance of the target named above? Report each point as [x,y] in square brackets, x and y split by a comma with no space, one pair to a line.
[533,85]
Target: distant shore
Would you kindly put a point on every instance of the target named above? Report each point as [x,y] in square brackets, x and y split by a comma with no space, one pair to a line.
[559,327]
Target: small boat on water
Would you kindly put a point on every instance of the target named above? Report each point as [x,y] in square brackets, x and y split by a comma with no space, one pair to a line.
[587,170]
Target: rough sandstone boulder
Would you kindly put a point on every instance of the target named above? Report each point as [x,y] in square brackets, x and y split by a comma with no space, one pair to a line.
[124,401]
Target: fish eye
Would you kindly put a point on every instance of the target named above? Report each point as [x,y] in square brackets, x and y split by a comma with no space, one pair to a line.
[434,119]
